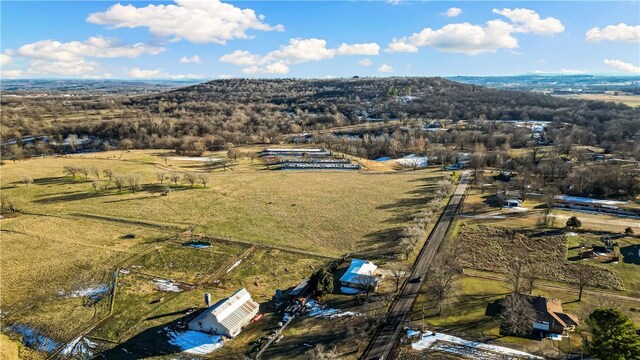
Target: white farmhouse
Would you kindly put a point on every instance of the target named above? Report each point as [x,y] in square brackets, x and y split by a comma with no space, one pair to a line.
[360,275]
[228,316]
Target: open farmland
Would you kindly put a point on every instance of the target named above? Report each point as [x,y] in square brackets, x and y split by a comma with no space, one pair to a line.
[491,248]
[353,211]
[68,238]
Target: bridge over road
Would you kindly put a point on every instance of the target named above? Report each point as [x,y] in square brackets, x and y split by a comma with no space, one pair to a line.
[387,335]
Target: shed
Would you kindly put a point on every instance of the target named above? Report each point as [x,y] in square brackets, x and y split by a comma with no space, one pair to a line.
[360,275]
[228,316]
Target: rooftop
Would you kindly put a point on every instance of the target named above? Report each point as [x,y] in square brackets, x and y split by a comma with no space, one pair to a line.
[359,271]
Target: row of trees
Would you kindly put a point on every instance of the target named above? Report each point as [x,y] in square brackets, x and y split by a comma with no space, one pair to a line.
[413,234]
[132,181]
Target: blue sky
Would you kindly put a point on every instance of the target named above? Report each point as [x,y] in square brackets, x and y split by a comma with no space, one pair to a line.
[212,39]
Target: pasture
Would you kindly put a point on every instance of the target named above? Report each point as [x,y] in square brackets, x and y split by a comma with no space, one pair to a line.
[69,237]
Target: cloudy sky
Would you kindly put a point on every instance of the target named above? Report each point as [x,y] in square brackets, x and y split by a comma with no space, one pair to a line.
[213,39]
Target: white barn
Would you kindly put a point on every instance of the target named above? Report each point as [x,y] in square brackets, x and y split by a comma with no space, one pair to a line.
[228,316]
[360,275]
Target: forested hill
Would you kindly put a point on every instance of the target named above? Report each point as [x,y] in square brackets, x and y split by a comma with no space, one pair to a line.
[245,111]
[435,98]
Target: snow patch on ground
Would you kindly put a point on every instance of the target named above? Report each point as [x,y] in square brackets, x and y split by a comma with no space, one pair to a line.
[473,349]
[571,234]
[194,342]
[235,264]
[321,311]
[166,285]
[33,339]
[80,348]
[195,158]
[350,291]
[93,291]
[413,160]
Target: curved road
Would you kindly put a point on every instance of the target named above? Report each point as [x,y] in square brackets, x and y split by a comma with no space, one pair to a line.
[385,339]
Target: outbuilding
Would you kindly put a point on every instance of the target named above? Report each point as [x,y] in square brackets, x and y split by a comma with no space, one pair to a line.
[360,275]
[228,316]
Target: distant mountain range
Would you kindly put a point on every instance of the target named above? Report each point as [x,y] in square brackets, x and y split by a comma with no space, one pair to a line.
[557,84]
[550,84]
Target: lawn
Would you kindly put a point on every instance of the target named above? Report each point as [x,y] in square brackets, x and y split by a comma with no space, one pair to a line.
[468,318]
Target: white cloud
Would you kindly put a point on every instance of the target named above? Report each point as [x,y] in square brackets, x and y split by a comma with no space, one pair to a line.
[452,12]
[621,32]
[384,68]
[529,21]
[60,67]
[159,74]
[143,74]
[240,58]
[100,76]
[5,59]
[96,46]
[365,62]
[9,74]
[473,39]
[298,51]
[225,76]
[623,66]
[194,59]
[358,49]
[197,21]
[401,45]
[460,38]
[394,2]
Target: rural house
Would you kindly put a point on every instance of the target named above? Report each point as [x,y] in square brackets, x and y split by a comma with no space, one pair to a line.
[549,317]
[228,316]
[360,275]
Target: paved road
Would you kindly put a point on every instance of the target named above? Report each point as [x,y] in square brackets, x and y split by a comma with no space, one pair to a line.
[383,342]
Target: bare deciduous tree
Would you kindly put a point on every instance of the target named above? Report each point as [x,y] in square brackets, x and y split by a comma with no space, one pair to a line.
[189,178]
[72,170]
[161,175]
[27,180]
[72,140]
[118,181]
[134,182]
[584,275]
[517,315]
[516,271]
[320,352]
[175,177]
[441,282]
[95,172]
[399,275]
[204,179]
[108,173]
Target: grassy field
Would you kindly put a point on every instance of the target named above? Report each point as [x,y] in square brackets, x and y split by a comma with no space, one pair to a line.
[631,100]
[68,237]
[140,318]
[353,211]
[468,317]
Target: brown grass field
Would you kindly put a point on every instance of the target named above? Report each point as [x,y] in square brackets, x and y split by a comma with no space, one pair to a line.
[68,236]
